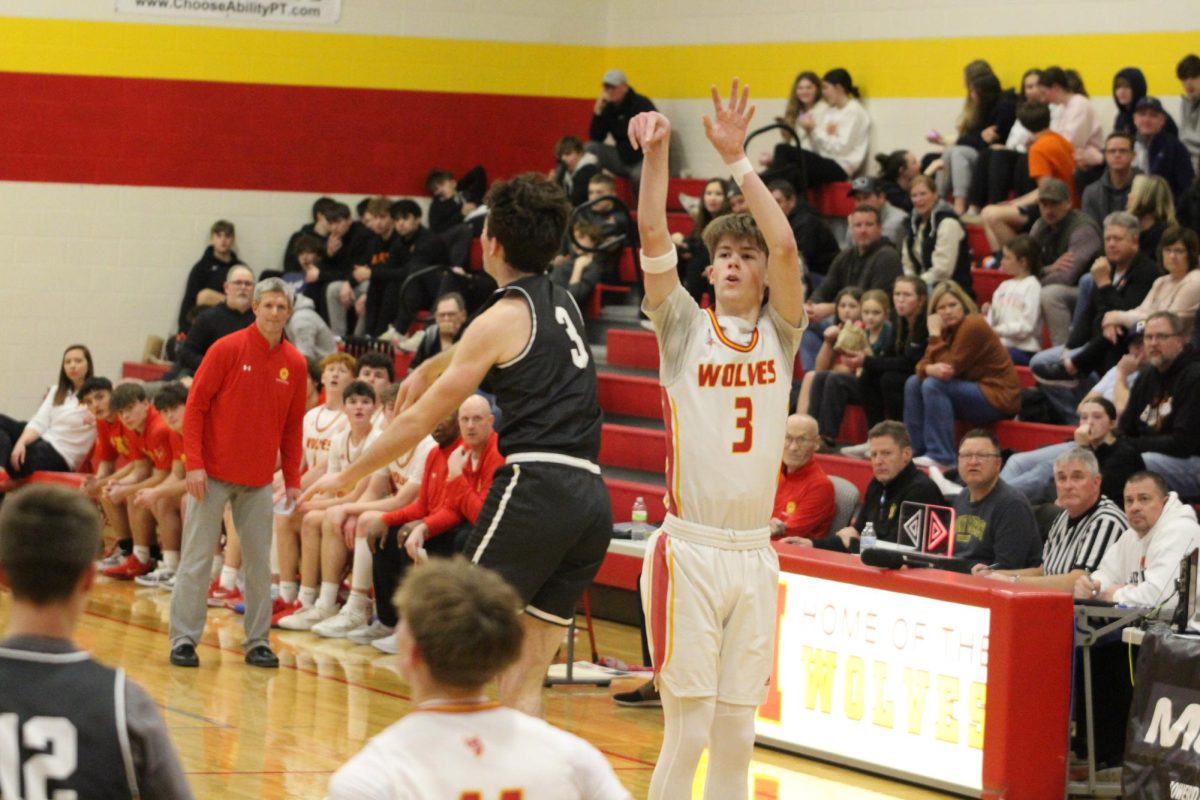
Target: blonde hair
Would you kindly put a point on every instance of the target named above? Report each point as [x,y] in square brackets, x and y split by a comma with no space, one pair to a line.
[950,287]
[877,296]
[1151,194]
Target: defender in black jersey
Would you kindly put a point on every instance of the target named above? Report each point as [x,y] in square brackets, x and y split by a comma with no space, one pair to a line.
[547,521]
[67,723]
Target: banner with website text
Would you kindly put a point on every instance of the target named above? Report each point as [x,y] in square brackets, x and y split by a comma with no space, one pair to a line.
[891,682]
[310,12]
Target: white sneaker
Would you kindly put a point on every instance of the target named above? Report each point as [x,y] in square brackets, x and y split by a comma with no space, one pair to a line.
[856,450]
[948,487]
[339,625]
[156,579]
[304,619]
[386,645]
[118,557]
[927,462]
[369,633]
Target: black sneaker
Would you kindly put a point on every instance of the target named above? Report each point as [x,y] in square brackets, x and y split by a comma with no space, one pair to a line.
[261,656]
[645,696]
[184,655]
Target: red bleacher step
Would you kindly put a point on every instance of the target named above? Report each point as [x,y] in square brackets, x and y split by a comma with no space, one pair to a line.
[630,447]
[622,494]
[142,371]
[630,395]
[984,283]
[632,348]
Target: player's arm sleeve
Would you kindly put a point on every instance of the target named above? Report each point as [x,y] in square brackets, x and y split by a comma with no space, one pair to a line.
[674,325]
[291,445]
[789,334]
[594,776]
[155,763]
[41,420]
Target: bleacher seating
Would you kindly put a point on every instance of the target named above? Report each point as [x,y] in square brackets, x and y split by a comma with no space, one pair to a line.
[627,274]
[978,242]
[832,200]
[984,283]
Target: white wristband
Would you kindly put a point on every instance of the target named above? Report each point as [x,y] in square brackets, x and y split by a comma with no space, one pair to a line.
[740,169]
[658,264]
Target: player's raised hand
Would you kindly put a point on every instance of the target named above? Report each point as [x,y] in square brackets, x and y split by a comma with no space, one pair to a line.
[729,123]
[649,130]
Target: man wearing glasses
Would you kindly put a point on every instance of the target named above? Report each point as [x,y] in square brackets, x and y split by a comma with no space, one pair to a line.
[1162,418]
[1111,192]
[213,323]
[994,524]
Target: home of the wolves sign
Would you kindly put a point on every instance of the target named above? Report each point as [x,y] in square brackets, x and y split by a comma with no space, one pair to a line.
[1162,748]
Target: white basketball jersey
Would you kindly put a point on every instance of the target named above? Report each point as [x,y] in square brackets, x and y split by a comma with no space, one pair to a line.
[343,452]
[410,467]
[475,752]
[320,426]
[726,386]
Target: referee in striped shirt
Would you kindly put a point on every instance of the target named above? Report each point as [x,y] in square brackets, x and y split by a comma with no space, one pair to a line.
[1089,524]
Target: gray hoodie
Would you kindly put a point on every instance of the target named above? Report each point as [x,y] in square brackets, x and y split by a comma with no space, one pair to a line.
[308,332]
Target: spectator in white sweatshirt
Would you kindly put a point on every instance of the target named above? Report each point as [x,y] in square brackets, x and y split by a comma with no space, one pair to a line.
[60,435]
[841,135]
[1015,310]
[1140,570]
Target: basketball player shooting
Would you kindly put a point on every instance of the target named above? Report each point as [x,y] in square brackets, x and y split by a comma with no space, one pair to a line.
[710,575]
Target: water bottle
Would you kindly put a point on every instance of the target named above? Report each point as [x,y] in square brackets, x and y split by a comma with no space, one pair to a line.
[639,529]
[867,540]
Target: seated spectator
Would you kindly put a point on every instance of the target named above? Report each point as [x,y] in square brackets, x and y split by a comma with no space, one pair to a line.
[804,499]
[994,523]
[841,137]
[367,246]
[1077,123]
[318,229]
[613,225]
[804,105]
[581,271]
[1188,73]
[1150,200]
[574,168]
[1129,87]
[1157,151]
[893,220]
[1069,242]
[450,315]
[881,383]
[870,262]
[332,227]
[835,384]
[617,104]
[213,323]
[1003,166]
[965,374]
[101,729]
[1088,526]
[896,171]
[1015,311]
[1162,418]
[1139,570]
[986,119]
[1187,208]
[452,201]
[308,332]
[1049,156]
[895,480]
[1111,192]
[206,280]
[60,435]
[816,243]
[935,245]
[460,630]
[694,258]
[1120,279]
[1032,472]
[847,312]
[412,280]
[1178,291]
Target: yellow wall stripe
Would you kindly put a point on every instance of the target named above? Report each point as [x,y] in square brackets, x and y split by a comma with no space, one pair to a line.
[897,68]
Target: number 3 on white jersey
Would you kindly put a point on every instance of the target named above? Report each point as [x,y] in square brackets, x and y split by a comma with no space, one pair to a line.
[579,353]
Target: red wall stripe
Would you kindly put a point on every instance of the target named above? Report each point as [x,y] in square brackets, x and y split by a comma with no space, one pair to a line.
[194,134]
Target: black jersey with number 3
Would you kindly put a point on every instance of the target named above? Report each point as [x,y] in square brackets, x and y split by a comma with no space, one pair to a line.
[547,393]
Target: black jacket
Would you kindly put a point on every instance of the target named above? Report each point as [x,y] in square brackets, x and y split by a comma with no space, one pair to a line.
[1002,115]
[210,325]
[881,506]
[877,268]
[1123,293]
[1170,160]
[614,119]
[906,348]
[207,273]
[1163,413]
[816,242]
[290,262]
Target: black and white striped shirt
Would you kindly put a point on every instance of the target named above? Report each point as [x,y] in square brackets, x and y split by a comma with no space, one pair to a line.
[1081,543]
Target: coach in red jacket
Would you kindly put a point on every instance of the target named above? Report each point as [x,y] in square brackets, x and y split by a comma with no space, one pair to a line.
[244,410]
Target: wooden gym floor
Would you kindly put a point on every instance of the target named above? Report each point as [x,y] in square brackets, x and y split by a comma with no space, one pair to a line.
[271,734]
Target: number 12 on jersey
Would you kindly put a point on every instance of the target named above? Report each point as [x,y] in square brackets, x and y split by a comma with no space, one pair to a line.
[745,424]
[55,737]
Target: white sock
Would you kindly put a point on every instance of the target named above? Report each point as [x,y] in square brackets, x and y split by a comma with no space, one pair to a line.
[288,590]
[686,724]
[171,559]
[358,602]
[141,552]
[217,563]
[329,593]
[360,573]
[308,595]
[228,578]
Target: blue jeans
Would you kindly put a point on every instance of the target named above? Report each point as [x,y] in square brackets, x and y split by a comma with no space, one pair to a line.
[932,405]
[810,343]
[1087,285]
[1182,474]
[1020,357]
[1032,472]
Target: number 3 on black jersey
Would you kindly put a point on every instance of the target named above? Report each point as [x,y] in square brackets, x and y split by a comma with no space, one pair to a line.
[579,353]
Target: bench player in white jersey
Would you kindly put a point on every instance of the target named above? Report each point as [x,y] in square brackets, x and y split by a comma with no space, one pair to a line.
[458,629]
[710,576]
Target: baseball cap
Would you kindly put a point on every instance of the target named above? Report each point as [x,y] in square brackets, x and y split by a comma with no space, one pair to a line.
[1054,191]
[863,185]
[1151,103]
[615,77]
[1138,330]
